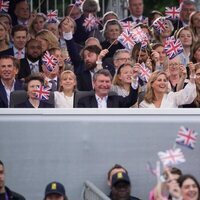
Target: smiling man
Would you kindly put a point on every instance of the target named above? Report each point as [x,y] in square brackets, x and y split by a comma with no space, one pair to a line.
[102,81]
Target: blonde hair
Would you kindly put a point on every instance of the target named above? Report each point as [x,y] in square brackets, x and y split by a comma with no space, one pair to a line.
[150,95]
[7,38]
[64,74]
[49,37]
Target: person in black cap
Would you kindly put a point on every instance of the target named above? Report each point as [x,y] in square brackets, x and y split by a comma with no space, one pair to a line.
[121,187]
[55,191]
[5,192]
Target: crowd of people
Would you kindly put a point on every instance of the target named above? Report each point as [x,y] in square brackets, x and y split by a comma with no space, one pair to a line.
[90,57]
[172,184]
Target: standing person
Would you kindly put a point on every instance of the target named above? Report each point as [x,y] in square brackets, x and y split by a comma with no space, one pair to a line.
[32,64]
[190,188]
[55,191]
[136,8]
[121,187]
[102,81]
[20,36]
[8,83]
[5,192]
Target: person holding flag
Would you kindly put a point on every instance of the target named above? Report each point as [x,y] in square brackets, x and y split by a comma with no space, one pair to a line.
[37,95]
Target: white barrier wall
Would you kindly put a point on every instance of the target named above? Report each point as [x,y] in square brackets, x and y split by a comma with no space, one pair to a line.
[71,146]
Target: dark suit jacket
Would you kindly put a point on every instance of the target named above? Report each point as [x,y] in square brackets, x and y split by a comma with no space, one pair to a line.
[114,101]
[27,104]
[9,51]
[84,81]
[25,70]
[3,96]
[129,18]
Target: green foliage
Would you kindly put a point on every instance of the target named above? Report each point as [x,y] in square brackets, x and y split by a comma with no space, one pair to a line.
[158,5]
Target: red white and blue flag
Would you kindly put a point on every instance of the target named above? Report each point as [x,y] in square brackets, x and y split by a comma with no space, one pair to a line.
[186,137]
[50,61]
[145,72]
[171,157]
[90,22]
[4,6]
[126,40]
[42,93]
[52,16]
[173,48]
[128,26]
[172,13]
[160,24]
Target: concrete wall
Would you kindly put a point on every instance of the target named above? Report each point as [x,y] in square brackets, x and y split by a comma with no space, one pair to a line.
[71,146]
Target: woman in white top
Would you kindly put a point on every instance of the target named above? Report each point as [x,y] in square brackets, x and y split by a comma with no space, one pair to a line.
[65,97]
[157,95]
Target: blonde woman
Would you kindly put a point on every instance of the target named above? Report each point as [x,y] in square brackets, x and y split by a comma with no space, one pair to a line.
[64,98]
[48,40]
[4,37]
[158,95]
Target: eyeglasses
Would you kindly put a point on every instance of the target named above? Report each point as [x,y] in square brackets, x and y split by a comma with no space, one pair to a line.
[124,59]
[174,64]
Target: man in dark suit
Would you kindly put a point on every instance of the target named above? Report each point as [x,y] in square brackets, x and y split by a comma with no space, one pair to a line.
[102,81]
[19,35]
[8,83]
[32,64]
[136,8]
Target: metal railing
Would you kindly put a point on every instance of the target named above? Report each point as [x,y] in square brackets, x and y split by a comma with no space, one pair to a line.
[91,192]
[118,6]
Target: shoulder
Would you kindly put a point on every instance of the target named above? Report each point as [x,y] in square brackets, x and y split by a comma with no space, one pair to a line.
[14,195]
[129,18]
[134,198]
[144,104]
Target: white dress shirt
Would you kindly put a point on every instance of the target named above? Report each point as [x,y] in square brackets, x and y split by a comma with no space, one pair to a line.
[62,101]
[101,102]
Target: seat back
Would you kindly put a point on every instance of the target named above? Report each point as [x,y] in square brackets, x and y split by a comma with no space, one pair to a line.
[20,96]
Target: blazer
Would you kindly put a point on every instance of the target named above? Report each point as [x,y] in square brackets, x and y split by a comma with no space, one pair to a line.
[3,96]
[9,51]
[27,104]
[113,101]
[25,70]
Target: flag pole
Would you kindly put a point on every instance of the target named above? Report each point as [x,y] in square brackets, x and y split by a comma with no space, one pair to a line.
[112,44]
[71,10]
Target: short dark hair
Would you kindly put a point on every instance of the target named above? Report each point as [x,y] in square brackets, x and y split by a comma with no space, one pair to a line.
[91,48]
[15,60]
[19,28]
[1,163]
[31,78]
[90,6]
[104,72]
[116,166]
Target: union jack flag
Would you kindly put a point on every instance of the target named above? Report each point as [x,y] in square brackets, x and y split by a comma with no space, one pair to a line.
[145,72]
[173,48]
[50,61]
[169,40]
[160,24]
[42,93]
[186,137]
[128,26]
[126,40]
[90,23]
[78,3]
[4,5]
[171,157]
[52,16]
[145,21]
[172,13]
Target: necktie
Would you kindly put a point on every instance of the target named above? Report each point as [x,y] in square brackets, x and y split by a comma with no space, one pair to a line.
[137,21]
[34,68]
[19,54]
[53,85]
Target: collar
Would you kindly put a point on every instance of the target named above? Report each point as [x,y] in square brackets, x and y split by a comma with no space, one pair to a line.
[49,79]
[24,23]
[16,50]
[3,83]
[34,63]
[101,99]
[135,18]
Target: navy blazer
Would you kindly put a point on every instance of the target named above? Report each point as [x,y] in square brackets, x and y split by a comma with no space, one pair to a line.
[25,70]
[27,104]
[113,101]
[3,96]
[9,51]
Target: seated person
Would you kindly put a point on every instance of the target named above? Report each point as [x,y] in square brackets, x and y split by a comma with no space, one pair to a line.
[34,83]
[102,81]
[65,97]
[121,187]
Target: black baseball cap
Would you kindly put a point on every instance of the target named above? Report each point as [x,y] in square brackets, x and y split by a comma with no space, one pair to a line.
[54,188]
